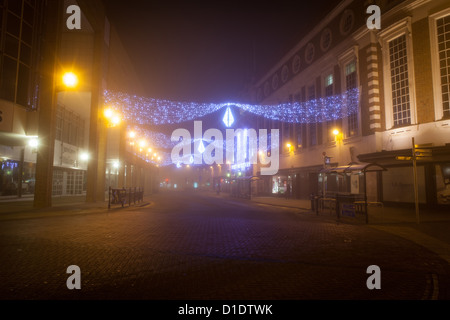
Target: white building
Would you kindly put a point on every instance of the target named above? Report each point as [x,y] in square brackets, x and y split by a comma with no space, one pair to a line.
[402,72]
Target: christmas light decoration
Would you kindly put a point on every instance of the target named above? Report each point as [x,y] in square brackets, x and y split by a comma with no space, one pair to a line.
[228,118]
[142,112]
[149,111]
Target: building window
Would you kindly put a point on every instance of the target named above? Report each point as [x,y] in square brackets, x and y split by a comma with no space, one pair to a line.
[69,127]
[350,84]
[300,128]
[331,124]
[398,61]
[313,125]
[17,29]
[398,74]
[443,44]
[329,79]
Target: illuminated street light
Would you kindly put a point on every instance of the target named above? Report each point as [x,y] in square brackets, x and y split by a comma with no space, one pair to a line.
[115,120]
[70,79]
[108,113]
[337,135]
[112,118]
[84,156]
[33,143]
[289,146]
[142,143]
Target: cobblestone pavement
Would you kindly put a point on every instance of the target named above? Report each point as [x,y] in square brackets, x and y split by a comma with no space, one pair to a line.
[191,246]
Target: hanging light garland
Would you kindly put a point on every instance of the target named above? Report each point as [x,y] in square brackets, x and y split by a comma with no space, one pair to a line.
[140,112]
[150,111]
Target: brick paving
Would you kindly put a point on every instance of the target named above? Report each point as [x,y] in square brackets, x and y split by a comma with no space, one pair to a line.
[200,246]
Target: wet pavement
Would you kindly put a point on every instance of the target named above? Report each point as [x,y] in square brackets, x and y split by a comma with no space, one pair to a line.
[203,246]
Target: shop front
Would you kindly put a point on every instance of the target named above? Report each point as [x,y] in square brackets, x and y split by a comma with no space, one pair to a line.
[433,177]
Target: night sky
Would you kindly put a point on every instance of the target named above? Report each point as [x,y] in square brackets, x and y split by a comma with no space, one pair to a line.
[206,51]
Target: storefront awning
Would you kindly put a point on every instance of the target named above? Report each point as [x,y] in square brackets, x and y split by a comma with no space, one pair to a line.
[355,167]
[248,178]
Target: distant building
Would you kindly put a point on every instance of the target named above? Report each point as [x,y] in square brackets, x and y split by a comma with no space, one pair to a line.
[402,72]
[95,53]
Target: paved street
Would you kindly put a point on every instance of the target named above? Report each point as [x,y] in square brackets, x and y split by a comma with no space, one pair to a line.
[199,246]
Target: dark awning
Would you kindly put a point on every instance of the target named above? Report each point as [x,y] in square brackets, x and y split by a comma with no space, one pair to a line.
[355,167]
[248,178]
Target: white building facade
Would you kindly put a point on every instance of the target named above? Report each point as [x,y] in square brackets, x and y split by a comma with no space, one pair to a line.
[402,72]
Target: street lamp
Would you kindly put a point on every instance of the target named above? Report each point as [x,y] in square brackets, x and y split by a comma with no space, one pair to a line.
[111,117]
[337,135]
[84,156]
[70,79]
[290,147]
[33,143]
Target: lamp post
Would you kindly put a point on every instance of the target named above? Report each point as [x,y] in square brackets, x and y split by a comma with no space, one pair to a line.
[338,137]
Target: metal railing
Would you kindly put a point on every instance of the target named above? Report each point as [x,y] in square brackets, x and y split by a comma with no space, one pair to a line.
[125,196]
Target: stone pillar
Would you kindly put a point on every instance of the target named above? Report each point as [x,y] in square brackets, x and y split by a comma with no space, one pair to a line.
[97,127]
[128,173]
[48,104]
[122,156]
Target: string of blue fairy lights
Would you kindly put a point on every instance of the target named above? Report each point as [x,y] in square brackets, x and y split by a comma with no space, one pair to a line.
[150,111]
[141,112]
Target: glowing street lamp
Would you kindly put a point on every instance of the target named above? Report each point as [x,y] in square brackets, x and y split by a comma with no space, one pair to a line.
[70,79]
[33,143]
[289,146]
[111,117]
[84,156]
[337,135]
[142,143]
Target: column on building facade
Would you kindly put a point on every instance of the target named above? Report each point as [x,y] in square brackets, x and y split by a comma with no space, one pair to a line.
[97,129]
[122,156]
[128,172]
[373,87]
[47,106]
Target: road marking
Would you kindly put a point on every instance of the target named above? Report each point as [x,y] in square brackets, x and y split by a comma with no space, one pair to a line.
[431,288]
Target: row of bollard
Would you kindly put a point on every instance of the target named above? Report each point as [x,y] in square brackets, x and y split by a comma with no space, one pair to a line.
[125,196]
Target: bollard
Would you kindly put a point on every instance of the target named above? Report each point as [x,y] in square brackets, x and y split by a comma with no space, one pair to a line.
[109,198]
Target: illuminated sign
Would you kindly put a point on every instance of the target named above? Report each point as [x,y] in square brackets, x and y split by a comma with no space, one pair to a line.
[241,166]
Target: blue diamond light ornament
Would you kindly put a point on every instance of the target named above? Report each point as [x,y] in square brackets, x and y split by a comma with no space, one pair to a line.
[228,118]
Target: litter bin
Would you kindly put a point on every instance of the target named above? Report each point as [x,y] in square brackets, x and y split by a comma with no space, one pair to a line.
[314,203]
